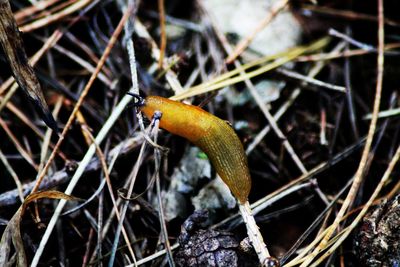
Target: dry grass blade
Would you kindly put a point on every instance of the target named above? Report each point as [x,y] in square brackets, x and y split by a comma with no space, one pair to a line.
[60,177]
[13,174]
[54,17]
[313,226]
[170,75]
[38,6]
[12,233]
[347,14]
[303,112]
[163,42]
[359,175]
[49,43]
[305,79]
[93,77]
[164,232]
[131,182]
[102,77]
[13,47]
[75,178]
[90,140]
[346,232]
[220,83]
[343,54]
[89,154]
[25,154]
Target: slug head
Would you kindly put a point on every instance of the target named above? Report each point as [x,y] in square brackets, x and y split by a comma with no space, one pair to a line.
[139,100]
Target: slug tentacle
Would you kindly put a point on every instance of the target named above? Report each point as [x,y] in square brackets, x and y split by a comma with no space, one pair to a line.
[139,100]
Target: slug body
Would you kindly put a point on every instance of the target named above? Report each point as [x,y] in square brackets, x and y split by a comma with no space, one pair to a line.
[211,134]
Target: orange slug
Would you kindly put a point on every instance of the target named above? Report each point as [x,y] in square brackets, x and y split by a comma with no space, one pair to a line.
[211,134]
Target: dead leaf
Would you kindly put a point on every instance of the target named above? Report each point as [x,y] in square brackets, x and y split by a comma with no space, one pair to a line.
[12,233]
[23,73]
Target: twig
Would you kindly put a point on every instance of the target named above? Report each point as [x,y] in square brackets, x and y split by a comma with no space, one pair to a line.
[253,232]
[88,51]
[78,173]
[349,94]
[89,154]
[350,40]
[225,80]
[30,10]
[106,172]
[177,21]
[153,256]
[13,174]
[384,114]
[54,17]
[310,80]
[268,200]
[346,14]
[132,180]
[157,159]
[60,177]
[163,41]
[18,145]
[128,31]
[85,91]
[88,243]
[102,77]
[171,76]
[360,171]
[322,136]
[309,230]
[312,73]
[100,223]
[348,53]
[355,222]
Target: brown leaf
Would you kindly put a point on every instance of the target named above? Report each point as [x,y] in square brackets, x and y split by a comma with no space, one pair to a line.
[12,233]
[23,73]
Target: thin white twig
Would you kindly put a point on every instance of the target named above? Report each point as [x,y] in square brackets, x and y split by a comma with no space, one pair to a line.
[78,173]
[253,233]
